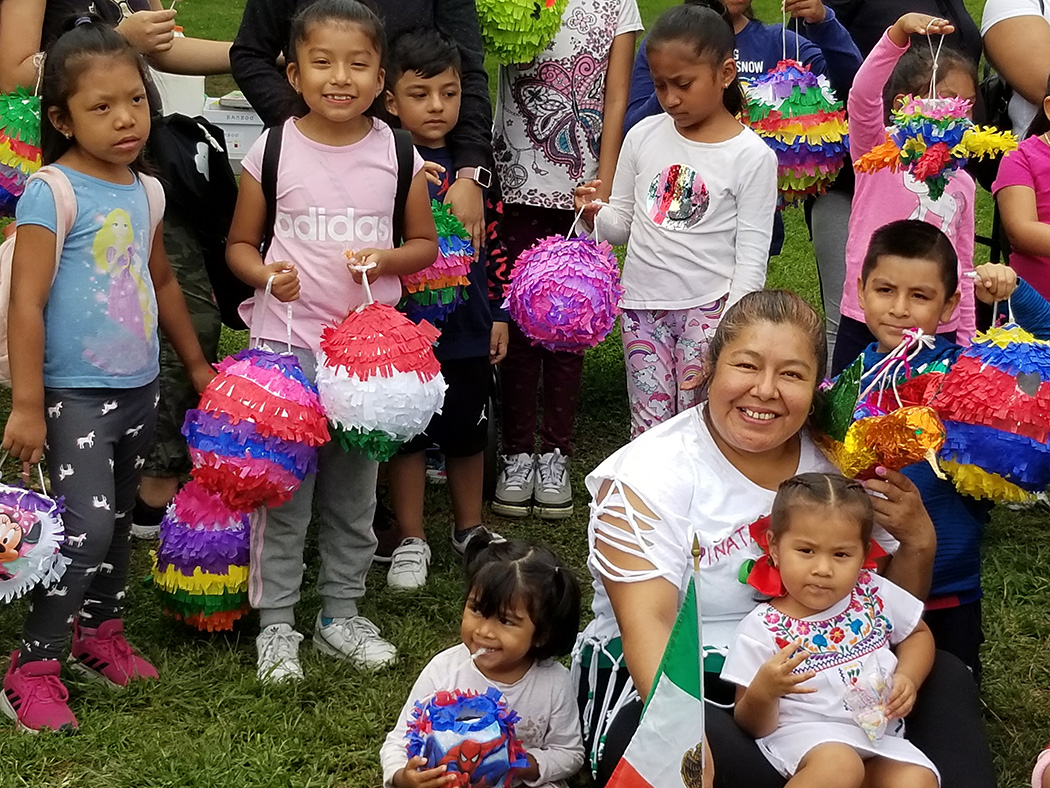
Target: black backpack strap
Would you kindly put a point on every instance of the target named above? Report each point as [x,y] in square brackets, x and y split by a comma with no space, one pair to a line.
[403,151]
[271,158]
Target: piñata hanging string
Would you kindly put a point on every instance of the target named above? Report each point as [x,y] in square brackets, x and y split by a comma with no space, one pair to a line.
[931,137]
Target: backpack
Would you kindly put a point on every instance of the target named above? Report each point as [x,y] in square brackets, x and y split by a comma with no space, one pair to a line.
[65,215]
[192,162]
[271,158]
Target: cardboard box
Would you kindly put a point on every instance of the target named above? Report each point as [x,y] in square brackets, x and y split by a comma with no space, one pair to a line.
[241,126]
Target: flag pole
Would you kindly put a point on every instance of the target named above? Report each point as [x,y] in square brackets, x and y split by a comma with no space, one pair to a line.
[697,552]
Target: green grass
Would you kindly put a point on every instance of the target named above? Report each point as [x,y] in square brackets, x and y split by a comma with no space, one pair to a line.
[209,723]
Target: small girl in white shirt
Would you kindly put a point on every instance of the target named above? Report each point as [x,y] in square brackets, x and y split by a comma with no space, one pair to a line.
[522,610]
[695,191]
[835,631]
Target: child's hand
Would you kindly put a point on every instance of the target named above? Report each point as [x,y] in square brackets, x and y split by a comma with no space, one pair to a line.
[200,376]
[923,24]
[775,678]
[25,434]
[994,282]
[902,696]
[498,339]
[583,197]
[433,171]
[149,32]
[285,281]
[415,776]
[364,257]
[811,12]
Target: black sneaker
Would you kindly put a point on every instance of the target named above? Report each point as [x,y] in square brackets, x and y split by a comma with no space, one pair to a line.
[145,520]
[460,539]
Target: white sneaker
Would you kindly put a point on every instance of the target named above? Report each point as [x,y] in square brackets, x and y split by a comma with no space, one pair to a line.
[409,565]
[515,485]
[356,640]
[553,489]
[278,647]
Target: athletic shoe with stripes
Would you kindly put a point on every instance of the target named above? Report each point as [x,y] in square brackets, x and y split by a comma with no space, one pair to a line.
[35,697]
[104,655]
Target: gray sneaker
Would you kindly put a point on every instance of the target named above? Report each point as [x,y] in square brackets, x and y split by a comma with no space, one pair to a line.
[553,489]
[515,485]
[278,648]
[356,640]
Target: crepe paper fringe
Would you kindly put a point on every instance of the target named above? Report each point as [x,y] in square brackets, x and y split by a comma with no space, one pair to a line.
[195,507]
[189,603]
[36,521]
[171,580]
[438,289]
[217,622]
[378,414]
[20,116]
[19,155]
[564,293]
[219,435]
[930,138]
[440,723]
[242,483]
[515,31]
[895,440]
[209,550]
[977,483]
[836,401]
[379,341]
[1019,460]
[798,115]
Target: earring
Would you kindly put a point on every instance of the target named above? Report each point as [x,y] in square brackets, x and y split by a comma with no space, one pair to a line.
[67,134]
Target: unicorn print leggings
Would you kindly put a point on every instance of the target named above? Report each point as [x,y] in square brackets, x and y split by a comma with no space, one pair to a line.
[97,442]
[662,350]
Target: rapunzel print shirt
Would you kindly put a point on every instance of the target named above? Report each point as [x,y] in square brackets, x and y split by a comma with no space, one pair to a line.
[100,322]
[548,120]
[845,644]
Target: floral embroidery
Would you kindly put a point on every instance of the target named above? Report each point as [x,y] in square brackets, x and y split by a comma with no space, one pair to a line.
[861,628]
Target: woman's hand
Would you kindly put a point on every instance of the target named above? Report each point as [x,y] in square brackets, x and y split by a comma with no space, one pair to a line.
[902,696]
[812,12]
[899,508]
[468,204]
[415,776]
[25,434]
[585,198]
[994,282]
[922,24]
[149,31]
[285,285]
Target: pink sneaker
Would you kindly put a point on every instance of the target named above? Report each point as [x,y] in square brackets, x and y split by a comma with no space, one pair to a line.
[104,655]
[35,697]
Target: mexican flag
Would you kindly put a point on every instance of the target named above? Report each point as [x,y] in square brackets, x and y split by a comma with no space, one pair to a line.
[666,750]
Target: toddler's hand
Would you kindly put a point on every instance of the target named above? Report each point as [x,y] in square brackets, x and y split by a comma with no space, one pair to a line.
[415,776]
[24,435]
[902,697]
[924,24]
[775,678]
[364,257]
[812,12]
[433,172]
[583,197]
[994,282]
[285,281]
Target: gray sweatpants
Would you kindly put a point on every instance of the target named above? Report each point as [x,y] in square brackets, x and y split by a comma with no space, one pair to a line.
[344,489]
[97,442]
[830,220]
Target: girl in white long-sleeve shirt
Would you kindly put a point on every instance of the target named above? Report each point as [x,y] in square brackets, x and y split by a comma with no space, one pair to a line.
[522,610]
[695,192]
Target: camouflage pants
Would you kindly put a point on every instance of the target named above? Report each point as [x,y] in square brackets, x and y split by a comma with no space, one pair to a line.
[168,456]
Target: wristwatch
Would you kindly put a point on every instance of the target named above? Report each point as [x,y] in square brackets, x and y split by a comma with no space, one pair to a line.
[482,176]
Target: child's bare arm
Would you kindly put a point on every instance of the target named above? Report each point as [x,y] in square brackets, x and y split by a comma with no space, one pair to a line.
[242,245]
[757,708]
[914,660]
[1027,234]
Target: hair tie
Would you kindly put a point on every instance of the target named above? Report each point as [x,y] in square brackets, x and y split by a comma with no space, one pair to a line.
[82,20]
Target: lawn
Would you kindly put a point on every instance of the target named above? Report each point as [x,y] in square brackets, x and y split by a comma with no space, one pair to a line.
[209,723]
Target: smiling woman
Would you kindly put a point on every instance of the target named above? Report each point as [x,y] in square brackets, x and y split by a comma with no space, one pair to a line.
[709,473]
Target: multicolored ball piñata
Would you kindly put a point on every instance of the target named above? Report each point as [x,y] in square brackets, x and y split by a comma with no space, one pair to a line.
[379,379]
[564,293]
[995,403]
[798,115]
[201,567]
[19,145]
[256,433]
[31,539]
[931,137]
[439,288]
[472,735]
[515,31]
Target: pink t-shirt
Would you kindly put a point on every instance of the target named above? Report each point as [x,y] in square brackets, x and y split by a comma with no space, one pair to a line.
[330,199]
[884,196]
[1029,166]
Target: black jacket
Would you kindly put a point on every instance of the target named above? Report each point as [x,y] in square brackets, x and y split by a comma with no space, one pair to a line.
[264,35]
